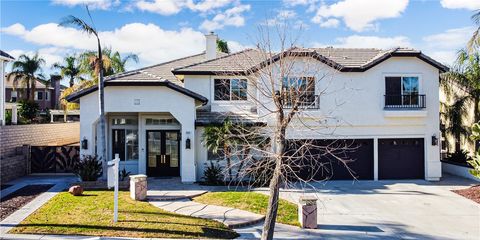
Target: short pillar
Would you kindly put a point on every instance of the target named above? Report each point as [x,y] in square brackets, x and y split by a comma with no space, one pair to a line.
[138,187]
[14,114]
[307,212]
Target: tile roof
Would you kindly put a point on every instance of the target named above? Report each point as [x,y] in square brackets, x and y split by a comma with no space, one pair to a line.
[343,59]
[162,71]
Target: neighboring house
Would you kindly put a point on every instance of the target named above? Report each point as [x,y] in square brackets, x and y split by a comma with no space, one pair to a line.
[46,95]
[4,57]
[154,112]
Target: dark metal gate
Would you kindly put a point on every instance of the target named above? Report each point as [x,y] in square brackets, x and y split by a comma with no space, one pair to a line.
[54,159]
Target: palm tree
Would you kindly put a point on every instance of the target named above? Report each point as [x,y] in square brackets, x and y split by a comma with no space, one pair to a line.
[113,62]
[26,70]
[219,139]
[222,46]
[98,67]
[453,118]
[70,69]
[463,78]
[474,42]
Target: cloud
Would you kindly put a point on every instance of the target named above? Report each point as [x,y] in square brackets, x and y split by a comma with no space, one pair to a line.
[360,15]
[231,17]
[330,23]
[459,4]
[235,46]
[94,4]
[358,41]
[171,7]
[152,43]
[281,18]
[51,55]
[444,46]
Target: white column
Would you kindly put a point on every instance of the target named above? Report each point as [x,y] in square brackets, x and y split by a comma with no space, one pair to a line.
[14,114]
[375,159]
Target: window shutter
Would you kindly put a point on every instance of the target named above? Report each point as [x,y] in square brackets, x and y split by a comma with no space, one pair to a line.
[393,90]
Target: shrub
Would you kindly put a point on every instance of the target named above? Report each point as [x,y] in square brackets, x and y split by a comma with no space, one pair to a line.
[89,168]
[213,174]
[28,110]
[459,157]
[8,117]
[123,174]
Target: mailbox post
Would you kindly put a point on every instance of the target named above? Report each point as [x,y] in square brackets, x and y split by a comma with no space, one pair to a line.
[112,179]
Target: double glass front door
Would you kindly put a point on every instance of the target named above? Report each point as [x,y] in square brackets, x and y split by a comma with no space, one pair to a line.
[163,153]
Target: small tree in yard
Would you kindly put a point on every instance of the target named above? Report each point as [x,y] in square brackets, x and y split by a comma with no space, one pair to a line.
[282,82]
[475,162]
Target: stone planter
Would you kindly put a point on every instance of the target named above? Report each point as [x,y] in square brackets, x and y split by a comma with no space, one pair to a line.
[138,187]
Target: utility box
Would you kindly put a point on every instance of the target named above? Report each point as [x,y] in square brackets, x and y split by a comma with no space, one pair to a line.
[307,212]
[138,187]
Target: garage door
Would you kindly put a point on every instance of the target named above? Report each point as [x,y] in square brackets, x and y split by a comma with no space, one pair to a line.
[359,153]
[401,158]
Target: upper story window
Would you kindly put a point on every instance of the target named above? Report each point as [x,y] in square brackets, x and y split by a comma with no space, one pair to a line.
[403,92]
[13,96]
[299,91]
[47,95]
[38,95]
[230,89]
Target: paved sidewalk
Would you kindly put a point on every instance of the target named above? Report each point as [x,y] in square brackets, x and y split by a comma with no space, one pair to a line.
[233,218]
[60,184]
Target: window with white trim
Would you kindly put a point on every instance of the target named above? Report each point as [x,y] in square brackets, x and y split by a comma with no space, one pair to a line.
[125,138]
[230,89]
[13,96]
[38,95]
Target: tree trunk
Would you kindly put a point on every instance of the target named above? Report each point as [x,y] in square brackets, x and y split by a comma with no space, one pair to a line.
[101,96]
[29,97]
[71,81]
[274,187]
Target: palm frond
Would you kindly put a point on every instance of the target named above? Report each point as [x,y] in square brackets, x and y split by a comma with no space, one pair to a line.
[79,24]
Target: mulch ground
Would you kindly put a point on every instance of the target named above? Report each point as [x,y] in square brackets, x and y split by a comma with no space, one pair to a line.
[472,193]
[20,198]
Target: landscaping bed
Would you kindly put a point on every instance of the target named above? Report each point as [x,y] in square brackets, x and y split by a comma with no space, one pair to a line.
[20,198]
[252,202]
[472,193]
[92,214]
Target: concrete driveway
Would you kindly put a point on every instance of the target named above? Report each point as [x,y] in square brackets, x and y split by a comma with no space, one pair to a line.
[413,209]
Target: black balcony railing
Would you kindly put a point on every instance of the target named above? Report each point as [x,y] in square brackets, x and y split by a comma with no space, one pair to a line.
[303,101]
[406,101]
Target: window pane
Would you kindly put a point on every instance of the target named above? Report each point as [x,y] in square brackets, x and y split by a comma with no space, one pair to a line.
[118,143]
[222,89]
[132,144]
[239,89]
[124,121]
[410,85]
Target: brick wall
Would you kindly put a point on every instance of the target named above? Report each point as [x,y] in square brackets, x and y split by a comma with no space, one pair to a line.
[14,161]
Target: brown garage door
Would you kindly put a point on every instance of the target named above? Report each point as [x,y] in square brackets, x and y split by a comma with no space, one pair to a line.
[359,151]
[401,158]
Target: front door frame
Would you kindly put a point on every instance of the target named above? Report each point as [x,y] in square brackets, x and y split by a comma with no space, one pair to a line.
[162,151]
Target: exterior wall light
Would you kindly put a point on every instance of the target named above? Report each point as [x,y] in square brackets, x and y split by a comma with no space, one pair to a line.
[187,143]
[84,143]
[434,140]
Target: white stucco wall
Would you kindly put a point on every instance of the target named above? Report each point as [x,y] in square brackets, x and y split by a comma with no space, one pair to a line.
[151,100]
[353,104]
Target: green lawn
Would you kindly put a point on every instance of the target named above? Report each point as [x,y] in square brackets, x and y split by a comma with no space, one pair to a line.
[92,214]
[253,202]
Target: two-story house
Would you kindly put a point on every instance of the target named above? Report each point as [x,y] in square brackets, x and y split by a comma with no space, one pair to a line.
[389,104]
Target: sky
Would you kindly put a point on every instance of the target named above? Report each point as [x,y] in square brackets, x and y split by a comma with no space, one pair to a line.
[162,30]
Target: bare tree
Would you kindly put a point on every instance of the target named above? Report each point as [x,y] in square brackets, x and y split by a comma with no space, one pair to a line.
[281,86]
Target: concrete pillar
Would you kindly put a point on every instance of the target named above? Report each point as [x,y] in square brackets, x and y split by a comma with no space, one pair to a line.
[138,187]
[307,212]
[14,114]
[375,159]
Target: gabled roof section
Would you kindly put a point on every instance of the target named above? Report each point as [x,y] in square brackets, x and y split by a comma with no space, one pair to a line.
[342,59]
[6,56]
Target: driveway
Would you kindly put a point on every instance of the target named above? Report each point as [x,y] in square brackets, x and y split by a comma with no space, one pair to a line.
[413,209]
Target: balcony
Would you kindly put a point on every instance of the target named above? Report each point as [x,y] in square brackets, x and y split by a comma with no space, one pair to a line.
[308,100]
[405,102]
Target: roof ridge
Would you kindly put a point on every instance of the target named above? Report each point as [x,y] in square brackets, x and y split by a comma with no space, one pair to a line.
[139,70]
[211,60]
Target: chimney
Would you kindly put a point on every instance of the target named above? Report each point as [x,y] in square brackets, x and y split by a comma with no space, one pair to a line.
[55,80]
[211,48]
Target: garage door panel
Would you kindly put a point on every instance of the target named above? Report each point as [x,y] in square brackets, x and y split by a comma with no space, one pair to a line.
[357,155]
[401,158]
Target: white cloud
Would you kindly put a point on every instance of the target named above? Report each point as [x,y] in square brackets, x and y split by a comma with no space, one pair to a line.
[170,7]
[235,46]
[281,18]
[152,43]
[459,4]
[293,3]
[51,55]
[15,29]
[357,41]
[230,17]
[360,15]
[94,4]
[451,39]
[330,23]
